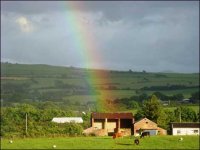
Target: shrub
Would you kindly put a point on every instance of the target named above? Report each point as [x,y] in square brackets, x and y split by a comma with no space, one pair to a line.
[73,129]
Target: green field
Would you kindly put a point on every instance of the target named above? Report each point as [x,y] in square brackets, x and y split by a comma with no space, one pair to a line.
[195,108]
[43,80]
[153,142]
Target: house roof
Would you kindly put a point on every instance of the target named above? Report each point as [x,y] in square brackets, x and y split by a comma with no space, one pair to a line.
[96,115]
[145,119]
[145,123]
[186,125]
[68,120]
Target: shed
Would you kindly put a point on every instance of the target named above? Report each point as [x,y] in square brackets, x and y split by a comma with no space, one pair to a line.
[68,120]
[113,122]
[185,128]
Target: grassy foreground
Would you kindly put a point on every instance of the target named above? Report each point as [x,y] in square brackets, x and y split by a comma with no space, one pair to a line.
[153,142]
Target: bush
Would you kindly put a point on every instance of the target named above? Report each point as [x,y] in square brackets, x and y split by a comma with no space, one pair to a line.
[73,129]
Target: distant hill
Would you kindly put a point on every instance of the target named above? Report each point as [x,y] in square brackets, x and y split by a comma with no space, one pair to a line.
[80,87]
[167,71]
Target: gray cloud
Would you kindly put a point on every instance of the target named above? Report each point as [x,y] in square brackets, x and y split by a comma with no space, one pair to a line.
[154,36]
[112,9]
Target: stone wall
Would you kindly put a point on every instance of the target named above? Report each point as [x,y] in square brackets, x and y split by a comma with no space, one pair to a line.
[95,132]
[125,131]
[100,132]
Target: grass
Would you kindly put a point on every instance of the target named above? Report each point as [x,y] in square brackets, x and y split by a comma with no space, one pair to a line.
[43,79]
[110,94]
[186,92]
[195,108]
[154,142]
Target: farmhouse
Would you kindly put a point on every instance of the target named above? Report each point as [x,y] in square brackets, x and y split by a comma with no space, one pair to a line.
[149,126]
[112,122]
[192,128]
[68,120]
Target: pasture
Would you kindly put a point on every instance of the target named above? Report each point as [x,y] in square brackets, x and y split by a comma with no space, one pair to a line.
[74,85]
[153,142]
[195,108]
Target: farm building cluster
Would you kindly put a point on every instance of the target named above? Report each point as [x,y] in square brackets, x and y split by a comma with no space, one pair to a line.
[106,124]
[110,123]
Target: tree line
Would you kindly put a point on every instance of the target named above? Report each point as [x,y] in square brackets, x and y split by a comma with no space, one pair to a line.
[13,121]
[135,101]
[168,87]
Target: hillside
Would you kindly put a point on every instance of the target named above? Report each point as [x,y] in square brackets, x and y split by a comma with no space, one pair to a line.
[76,87]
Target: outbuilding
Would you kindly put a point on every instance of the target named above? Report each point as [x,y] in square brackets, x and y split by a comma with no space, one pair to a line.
[110,123]
[68,120]
[146,125]
[185,128]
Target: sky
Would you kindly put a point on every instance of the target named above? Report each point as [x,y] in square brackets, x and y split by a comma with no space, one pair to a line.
[155,36]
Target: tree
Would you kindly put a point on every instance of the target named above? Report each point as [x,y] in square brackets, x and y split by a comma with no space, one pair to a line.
[186,114]
[161,96]
[151,109]
[195,97]
[143,97]
[162,120]
[139,114]
[132,105]
[73,129]
[143,71]
[178,97]
[198,117]
[165,118]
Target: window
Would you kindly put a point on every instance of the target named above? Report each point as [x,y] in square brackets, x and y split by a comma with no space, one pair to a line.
[195,131]
[178,131]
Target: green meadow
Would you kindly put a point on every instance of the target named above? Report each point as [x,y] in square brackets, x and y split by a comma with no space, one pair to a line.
[76,89]
[195,108]
[74,83]
[153,142]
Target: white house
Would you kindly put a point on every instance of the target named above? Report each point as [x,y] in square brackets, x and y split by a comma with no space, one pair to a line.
[187,128]
[68,120]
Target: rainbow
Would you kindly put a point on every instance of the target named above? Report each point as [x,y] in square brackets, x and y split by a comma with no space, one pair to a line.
[87,45]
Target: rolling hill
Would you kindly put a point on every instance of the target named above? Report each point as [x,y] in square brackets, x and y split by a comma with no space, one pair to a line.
[77,86]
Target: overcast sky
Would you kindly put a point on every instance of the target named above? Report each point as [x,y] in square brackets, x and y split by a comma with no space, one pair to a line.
[152,36]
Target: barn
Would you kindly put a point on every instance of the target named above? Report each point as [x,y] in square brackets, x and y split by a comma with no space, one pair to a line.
[149,126]
[113,122]
[185,128]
